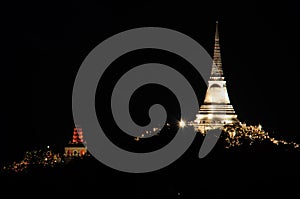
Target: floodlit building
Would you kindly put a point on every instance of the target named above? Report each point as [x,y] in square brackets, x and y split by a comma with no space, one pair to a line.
[76,147]
[216,110]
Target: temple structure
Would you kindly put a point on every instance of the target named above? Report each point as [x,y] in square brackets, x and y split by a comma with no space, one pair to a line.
[216,110]
[76,147]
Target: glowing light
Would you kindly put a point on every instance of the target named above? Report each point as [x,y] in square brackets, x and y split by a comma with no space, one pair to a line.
[232,135]
[182,124]
[259,127]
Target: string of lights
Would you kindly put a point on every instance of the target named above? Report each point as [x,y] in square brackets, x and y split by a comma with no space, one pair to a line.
[232,136]
[35,158]
[236,135]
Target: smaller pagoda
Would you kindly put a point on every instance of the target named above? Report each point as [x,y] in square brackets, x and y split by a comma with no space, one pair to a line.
[76,147]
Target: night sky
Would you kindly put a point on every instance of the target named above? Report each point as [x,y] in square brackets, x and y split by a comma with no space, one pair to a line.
[44,44]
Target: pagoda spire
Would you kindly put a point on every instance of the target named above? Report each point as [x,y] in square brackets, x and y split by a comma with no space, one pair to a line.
[77,135]
[216,111]
[217,71]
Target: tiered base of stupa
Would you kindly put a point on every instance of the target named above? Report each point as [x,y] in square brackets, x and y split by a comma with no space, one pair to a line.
[214,116]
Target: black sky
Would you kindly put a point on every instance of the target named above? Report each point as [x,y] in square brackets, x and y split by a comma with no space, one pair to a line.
[44,44]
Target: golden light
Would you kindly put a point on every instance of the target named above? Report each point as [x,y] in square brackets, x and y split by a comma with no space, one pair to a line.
[182,124]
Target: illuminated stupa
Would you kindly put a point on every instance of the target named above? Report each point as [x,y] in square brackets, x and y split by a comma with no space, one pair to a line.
[216,111]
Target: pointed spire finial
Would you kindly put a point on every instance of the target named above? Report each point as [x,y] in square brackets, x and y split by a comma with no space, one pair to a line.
[217,70]
[217,30]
